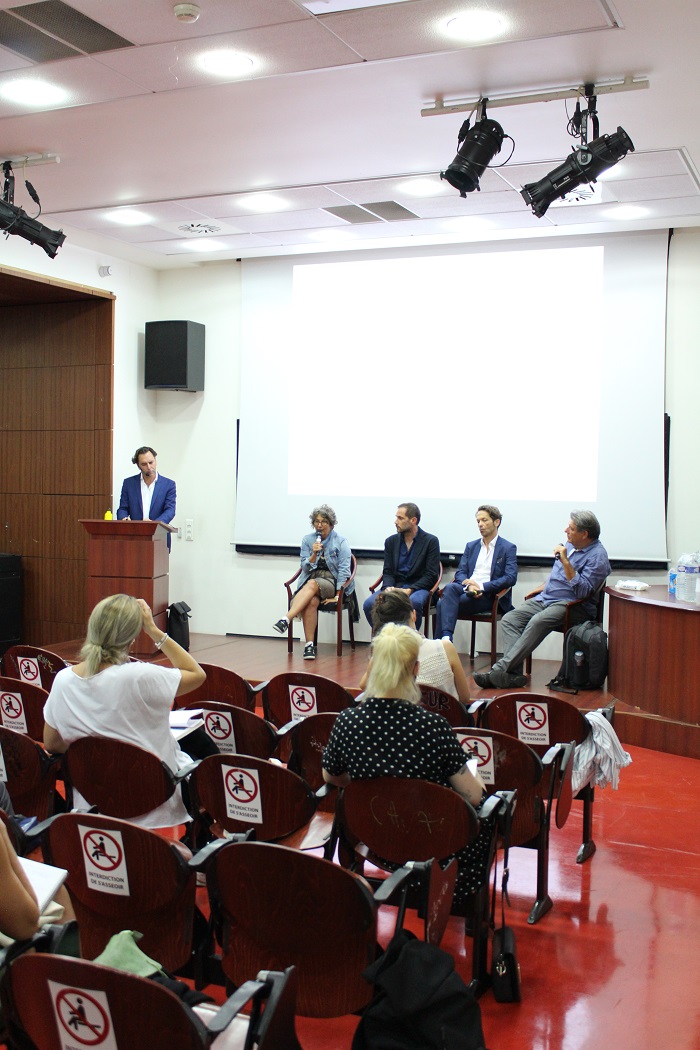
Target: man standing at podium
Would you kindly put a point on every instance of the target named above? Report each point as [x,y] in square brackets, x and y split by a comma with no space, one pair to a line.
[147,495]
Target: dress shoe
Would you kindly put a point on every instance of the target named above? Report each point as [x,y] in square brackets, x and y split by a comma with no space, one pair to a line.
[504,680]
[483,680]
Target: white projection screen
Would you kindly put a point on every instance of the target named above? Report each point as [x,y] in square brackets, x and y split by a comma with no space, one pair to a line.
[529,375]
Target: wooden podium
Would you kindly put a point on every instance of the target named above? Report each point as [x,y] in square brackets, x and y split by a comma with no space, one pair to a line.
[129,557]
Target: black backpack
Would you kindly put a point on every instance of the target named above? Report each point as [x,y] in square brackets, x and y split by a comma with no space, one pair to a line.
[590,640]
[421,1003]
[179,624]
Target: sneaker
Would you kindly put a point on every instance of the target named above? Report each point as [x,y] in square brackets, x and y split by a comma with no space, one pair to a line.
[282,626]
[309,651]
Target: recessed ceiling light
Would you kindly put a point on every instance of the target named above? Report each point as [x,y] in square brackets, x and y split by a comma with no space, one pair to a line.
[264,202]
[129,217]
[33,92]
[422,187]
[226,63]
[329,7]
[476,26]
[626,211]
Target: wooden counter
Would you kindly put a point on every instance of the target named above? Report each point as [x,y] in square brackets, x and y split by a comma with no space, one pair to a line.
[654,643]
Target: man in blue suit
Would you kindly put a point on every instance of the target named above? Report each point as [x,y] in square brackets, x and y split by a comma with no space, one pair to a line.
[147,495]
[486,567]
[411,561]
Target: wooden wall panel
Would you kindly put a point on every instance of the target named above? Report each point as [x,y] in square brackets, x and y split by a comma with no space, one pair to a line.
[56,374]
[64,590]
[69,462]
[21,524]
[104,382]
[64,537]
[22,337]
[70,335]
[68,398]
[21,452]
[20,399]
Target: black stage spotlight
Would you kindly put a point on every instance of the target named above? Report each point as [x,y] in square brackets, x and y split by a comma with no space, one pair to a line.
[585,164]
[476,148]
[14,220]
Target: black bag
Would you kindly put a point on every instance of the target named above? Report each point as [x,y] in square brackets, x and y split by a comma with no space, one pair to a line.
[178,624]
[590,640]
[420,1002]
[505,969]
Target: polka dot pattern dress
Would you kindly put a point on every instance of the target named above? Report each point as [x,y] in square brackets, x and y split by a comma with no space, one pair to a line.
[395,738]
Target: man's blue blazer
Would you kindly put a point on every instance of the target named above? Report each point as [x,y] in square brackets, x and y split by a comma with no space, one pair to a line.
[504,569]
[162,501]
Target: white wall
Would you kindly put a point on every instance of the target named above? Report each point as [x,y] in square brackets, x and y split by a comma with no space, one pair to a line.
[194,434]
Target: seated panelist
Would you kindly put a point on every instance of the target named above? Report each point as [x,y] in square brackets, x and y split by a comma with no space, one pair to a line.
[487,566]
[411,561]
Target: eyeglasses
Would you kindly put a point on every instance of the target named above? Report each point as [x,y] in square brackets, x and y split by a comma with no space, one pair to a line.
[319,523]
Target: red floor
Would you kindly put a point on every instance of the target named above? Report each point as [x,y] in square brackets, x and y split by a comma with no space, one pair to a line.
[615,963]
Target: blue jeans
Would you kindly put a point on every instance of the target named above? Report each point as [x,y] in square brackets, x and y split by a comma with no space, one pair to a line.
[454,601]
[418,600]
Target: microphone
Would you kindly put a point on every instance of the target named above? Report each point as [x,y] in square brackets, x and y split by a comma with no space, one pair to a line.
[318,538]
[557,556]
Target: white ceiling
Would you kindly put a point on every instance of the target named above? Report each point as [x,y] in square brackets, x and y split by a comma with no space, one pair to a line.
[330,117]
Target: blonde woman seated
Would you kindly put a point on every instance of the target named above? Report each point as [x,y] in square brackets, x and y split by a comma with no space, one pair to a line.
[106,695]
[440,665]
[391,734]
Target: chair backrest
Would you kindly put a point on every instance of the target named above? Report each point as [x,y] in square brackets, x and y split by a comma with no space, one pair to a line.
[29,773]
[22,706]
[442,703]
[124,877]
[33,665]
[241,792]
[221,684]
[536,719]
[506,764]
[237,731]
[294,695]
[120,779]
[272,903]
[399,820]
[308,739]
[58,1002]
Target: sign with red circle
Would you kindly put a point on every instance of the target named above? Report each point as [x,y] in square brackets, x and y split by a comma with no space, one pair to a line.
[83,1016]
[242,790]
[302,701]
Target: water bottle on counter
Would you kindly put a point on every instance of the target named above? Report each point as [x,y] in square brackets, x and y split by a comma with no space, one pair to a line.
[688,577]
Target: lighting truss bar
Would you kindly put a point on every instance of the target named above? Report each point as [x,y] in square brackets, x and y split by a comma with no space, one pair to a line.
[30,159]
[496,101]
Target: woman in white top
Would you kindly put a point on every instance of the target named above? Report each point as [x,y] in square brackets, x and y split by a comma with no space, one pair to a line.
[106,695]
[440,665]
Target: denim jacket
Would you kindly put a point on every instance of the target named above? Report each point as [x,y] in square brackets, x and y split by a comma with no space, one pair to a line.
[336,551]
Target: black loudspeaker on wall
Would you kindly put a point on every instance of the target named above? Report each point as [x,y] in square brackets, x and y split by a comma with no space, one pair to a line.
[174,355]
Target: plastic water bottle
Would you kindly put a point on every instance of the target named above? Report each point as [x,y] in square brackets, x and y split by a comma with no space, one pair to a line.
[688,576]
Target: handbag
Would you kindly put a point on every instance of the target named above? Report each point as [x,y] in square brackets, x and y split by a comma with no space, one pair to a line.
[505,968]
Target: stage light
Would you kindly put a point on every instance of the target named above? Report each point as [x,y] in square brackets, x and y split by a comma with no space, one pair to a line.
[585,164]
[476,148]
[14,220]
